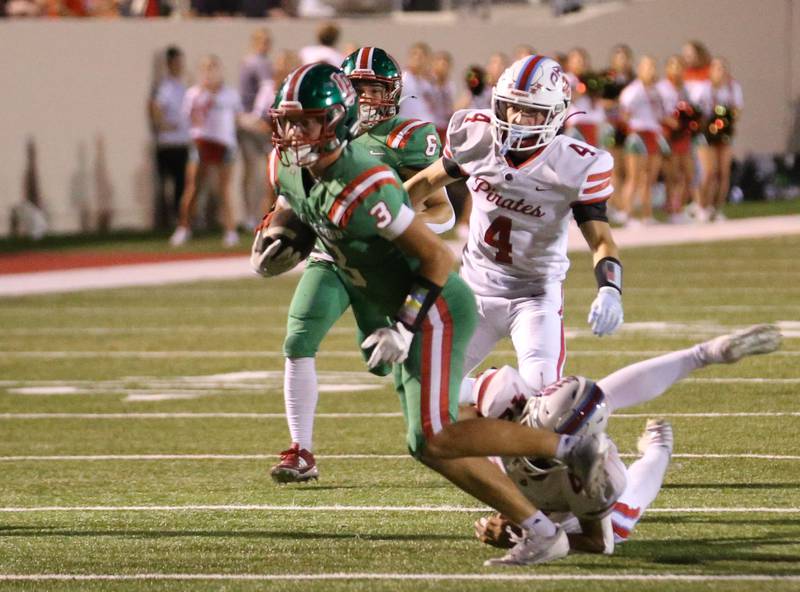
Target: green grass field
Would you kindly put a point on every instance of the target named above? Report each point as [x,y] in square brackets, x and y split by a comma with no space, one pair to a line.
[152,353]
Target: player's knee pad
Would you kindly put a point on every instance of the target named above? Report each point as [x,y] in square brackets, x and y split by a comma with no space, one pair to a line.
[300,345]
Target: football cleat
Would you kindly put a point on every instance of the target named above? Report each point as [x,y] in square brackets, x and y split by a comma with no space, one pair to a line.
[587,460]
[657,432]
[297,465]
[530,549]
[727,349]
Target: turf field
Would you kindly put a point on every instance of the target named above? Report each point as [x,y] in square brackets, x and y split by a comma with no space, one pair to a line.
[137,427]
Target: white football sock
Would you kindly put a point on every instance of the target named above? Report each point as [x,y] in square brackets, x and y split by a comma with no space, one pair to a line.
[300,396]
[645,477]
[643,381]
[540,524]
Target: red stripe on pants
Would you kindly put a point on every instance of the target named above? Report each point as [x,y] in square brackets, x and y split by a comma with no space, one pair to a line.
[447,346]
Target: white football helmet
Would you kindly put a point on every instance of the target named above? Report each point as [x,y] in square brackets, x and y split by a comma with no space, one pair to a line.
[573,405]
[531,83]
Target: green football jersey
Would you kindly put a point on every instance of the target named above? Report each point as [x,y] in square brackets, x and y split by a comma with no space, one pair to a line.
[403,143]
[356,208]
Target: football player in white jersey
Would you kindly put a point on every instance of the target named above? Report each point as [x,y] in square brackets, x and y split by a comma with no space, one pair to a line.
[527,182]
[577,406]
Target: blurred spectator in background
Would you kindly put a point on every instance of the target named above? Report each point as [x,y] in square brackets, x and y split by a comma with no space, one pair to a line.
[325,50]
[586,116]
[213,109]
[681,124]
[172,140]
[478,94]
[642,110]
[256,68]
[497,64]
[721,103]
[523,50]
[480,82]
[286,60]
[617,76]
[695,75]
[443,91]
[417,89]
[22,8]
[206,8]
[258,118]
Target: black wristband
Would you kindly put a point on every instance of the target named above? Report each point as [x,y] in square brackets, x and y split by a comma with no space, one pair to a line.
[452,169]
[608,272]
[420,298]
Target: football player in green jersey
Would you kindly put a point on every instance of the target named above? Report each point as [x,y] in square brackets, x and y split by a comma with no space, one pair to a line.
[393,265]
[320,299]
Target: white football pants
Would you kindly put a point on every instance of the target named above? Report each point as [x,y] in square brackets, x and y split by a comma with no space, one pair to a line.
[536,327]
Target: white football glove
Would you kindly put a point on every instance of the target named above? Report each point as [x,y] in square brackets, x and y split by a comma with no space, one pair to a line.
[606,315]
[391,345]
[267,262]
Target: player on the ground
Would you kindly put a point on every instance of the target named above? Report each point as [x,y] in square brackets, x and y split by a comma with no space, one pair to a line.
[392,264]
[576,405]
[320,298]
[526,183]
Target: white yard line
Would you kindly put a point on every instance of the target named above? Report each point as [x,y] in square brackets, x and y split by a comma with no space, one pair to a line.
[351,577]
[193,457]
[247,415]
[348,508]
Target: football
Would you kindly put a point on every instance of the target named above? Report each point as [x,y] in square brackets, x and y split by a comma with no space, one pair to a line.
[292,231]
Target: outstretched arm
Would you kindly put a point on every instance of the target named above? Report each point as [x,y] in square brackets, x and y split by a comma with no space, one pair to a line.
[428,181]
[435,209]
[605,315]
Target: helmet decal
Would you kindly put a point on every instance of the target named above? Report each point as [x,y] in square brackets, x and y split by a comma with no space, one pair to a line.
[528,70]
[364,59]
[293,83]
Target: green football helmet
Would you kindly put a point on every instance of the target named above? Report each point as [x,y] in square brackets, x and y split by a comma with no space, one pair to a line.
[374,65]
[314,113]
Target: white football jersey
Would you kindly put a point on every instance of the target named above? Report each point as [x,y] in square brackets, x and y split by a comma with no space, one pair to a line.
[520,214]
[561,491]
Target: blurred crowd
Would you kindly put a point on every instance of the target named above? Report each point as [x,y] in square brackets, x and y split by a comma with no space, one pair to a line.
[669,126]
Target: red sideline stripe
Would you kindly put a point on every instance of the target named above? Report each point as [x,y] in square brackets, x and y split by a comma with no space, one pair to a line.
[597,188]
[366,193]
[599,176]
[396,131]
[447,346]
[620,531]
[352,185]
[627,511]
[410,133]
[425,398]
